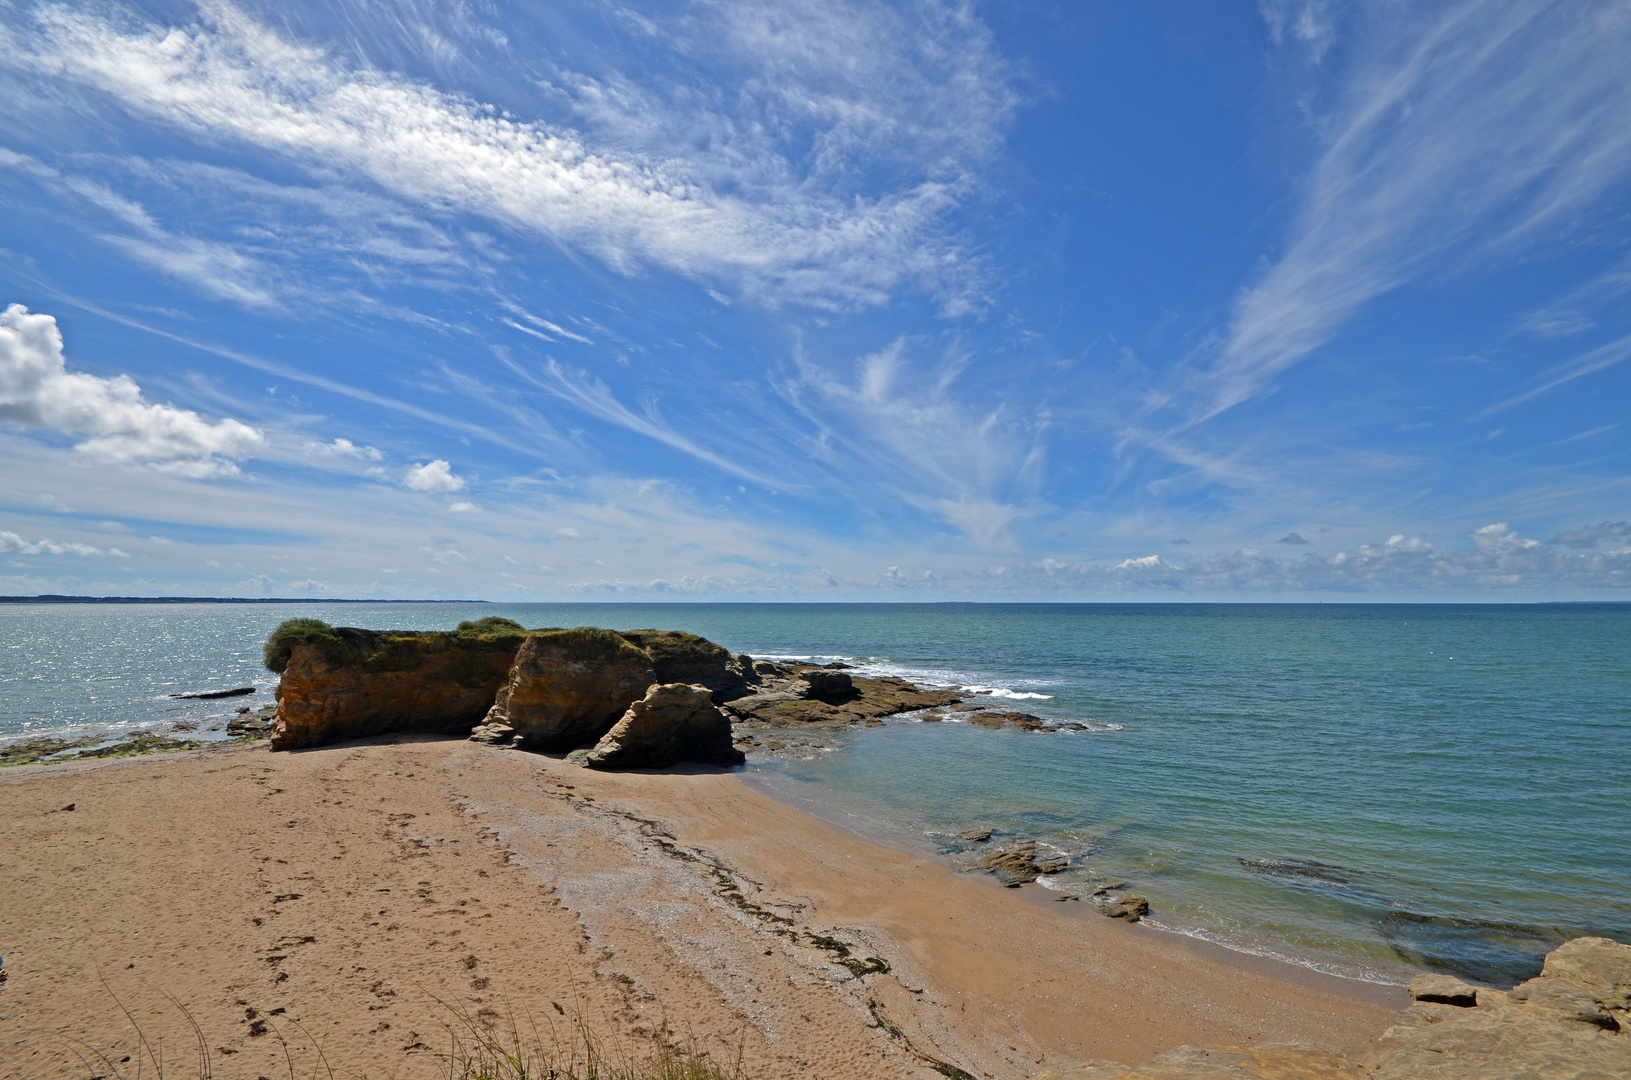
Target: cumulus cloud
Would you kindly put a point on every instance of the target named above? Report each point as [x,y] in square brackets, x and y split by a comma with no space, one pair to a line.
[755,220]
[38,391]
[1593,535]
[435,477]
[10,541]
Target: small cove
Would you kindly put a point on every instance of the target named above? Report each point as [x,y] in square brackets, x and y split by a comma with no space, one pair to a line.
[1369,790]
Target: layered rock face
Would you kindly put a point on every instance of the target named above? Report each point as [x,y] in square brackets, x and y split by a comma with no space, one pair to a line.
[674,722]
[567,689]
[1573,1022]
[352,683]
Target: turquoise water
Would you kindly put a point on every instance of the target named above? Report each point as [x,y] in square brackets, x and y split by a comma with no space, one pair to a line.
[1370,789]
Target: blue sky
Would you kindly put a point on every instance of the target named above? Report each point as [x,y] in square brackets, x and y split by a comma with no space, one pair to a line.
[833,300]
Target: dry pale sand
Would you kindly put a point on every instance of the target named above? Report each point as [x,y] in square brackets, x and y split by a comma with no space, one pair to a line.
[366,900]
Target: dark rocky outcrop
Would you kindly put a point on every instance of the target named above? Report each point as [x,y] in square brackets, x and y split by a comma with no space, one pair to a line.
[828,685]
[344,683]
[567,688]
[674,722]
[796,695]
[1570,1023]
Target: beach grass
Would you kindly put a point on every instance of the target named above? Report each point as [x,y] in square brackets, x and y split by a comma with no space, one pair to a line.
[477,1045]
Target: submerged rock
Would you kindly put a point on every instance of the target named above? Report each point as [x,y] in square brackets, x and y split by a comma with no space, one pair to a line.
[1018,863]
[1131,908]
[344,683]
[1569,1023]
[674,722]
[568,687]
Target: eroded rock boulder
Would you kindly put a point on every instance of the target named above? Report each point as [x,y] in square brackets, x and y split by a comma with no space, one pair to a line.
[827,684]
[673,722]
[343,683]
[567,689]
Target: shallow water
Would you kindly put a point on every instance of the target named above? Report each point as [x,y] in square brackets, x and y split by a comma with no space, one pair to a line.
[1369,789]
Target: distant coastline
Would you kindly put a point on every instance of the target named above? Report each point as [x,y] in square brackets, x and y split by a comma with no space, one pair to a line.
[49,598]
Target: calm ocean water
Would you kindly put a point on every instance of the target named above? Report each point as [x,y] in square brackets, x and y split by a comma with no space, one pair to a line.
[1369,789]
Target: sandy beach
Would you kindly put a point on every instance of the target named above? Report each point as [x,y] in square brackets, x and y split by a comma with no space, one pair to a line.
[349,908]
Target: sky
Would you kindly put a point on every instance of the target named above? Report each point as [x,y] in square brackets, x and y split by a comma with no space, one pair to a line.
[816,300]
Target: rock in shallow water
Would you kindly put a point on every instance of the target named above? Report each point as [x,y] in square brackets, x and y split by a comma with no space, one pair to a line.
[674,722]
[1131,908]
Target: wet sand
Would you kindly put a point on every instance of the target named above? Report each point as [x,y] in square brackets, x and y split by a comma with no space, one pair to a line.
[353,906]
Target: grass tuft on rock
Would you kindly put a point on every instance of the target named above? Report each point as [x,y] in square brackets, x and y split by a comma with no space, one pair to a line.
[491,626]
[292,632]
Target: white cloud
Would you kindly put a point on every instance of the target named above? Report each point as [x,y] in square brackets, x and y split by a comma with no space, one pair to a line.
[433,477]
[746,212]
[1480,128]
[10,541]
[37,390]
[345,448]
[465,508]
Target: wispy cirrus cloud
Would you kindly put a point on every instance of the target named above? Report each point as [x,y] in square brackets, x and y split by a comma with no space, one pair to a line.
[1482,128]
[791,237]
[921,441]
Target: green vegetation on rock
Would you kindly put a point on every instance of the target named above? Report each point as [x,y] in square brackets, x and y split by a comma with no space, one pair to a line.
[31,751]
[387,650]
[491,625]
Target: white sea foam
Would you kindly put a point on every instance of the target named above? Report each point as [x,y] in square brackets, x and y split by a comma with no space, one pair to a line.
[1252,946]
[1004,692]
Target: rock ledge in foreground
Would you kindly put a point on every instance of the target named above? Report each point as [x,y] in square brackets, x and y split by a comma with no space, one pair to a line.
[1570,1023]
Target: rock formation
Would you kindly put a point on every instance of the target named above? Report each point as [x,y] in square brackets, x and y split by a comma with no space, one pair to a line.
[1572,1022]
[343,683]
[678,657]
[674,722]
[567,689]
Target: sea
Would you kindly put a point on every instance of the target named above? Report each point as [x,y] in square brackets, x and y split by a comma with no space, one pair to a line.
[1368,790]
